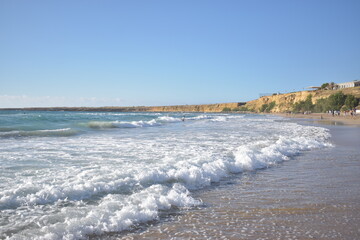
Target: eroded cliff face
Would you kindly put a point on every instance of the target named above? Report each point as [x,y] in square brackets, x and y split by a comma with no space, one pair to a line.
[285,102]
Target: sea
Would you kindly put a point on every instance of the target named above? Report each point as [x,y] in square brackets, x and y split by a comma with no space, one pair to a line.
[91,175]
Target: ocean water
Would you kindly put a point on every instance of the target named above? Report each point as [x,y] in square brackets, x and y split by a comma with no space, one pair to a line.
[71,175]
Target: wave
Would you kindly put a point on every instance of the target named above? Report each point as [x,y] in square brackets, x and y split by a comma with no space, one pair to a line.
[140,195]
[167,119]
[64,132]
[132,124]
[97,199]
[215,118]
[247,157]
[101,124]
[159,121]
[121,124]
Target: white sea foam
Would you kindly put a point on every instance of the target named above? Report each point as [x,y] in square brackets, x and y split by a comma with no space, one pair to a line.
[84,185]
[168,119]
[113,213]
[121,124]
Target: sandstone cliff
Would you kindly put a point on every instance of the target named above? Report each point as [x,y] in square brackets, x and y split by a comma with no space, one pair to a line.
[284,102]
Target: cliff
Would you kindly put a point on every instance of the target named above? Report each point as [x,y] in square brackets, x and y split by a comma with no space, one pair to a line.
[284,102]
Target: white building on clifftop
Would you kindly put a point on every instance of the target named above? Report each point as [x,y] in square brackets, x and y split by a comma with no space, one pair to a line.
[354,83]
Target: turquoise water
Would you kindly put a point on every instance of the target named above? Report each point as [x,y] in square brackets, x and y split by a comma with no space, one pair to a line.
[71,175]
[22,123]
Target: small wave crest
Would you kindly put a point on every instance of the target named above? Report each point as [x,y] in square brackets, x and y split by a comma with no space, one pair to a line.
[121,124]
[101,124]
[167,119]
[159,121]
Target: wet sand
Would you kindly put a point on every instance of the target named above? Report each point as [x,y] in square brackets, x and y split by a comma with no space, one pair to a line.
[315,195]
[325,118]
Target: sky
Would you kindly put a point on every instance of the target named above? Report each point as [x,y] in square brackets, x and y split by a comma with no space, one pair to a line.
[162,52]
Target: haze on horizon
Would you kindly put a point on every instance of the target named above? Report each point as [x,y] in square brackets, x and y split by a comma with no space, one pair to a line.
[147,53]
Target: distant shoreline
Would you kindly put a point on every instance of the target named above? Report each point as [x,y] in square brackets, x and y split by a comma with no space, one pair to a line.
[79,109]
[217,107]
[320,117]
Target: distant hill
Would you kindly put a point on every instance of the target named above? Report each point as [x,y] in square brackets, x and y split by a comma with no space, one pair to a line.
[178,108]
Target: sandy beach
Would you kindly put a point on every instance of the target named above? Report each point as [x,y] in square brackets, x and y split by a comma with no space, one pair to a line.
[325,118]
[314,195]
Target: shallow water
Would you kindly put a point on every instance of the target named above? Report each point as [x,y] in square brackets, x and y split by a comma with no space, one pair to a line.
[314,196]
[75,175]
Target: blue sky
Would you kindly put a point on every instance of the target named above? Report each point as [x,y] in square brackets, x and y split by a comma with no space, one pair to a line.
[153,52]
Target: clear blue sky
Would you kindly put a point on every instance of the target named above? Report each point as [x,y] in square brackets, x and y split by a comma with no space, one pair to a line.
[152,52]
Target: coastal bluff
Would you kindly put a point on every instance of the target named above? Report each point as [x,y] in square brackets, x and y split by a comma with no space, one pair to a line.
[284,102]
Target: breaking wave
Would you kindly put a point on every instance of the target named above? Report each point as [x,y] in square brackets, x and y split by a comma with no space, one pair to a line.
[121,124]
[141,178]
[159,121]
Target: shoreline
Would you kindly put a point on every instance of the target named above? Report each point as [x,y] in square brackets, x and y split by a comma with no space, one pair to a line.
[323,118]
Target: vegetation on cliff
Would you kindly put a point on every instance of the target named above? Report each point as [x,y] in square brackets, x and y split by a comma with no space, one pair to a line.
[304,106]
[316,101]
[337,101]
[267,107]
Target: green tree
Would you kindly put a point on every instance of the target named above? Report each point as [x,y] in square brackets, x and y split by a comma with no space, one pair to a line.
[308,105]
[271,106]
[243,108]
[264,107]
[324,86]
[321,105]
[303,106]
[336,101]
[226,109]
[331,85]
[267,107]
[351,102]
